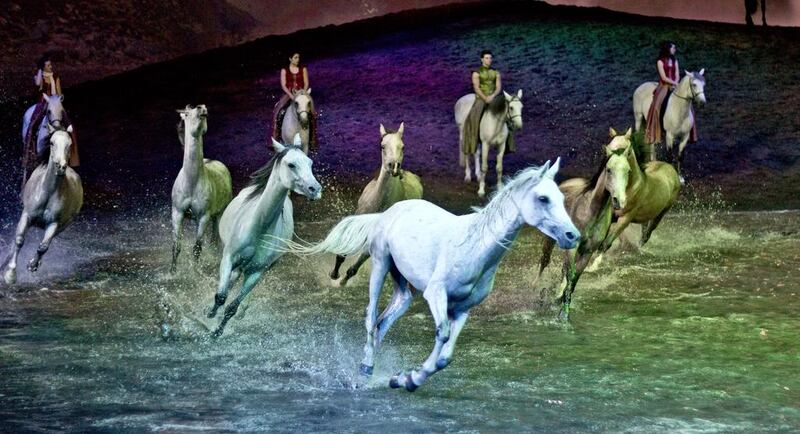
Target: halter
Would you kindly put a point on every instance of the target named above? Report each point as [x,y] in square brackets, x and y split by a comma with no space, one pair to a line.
[508,111]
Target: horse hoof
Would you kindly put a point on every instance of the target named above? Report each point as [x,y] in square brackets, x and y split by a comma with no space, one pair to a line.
[334,275]
[467,179]
[481,194]
[394,382]
[365,370]
[10,276]
[217,333]
[213,312]
[32,267]
[682,181]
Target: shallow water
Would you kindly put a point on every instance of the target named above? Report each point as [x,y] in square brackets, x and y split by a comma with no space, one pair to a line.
[697,332]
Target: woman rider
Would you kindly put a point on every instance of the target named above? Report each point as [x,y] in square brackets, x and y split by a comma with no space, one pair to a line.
[669,77]
[293,78]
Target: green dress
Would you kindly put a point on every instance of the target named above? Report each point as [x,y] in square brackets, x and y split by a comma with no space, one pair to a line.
[487,78]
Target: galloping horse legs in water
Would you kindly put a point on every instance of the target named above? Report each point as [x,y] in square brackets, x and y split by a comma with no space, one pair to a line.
[250,279]
[577,260]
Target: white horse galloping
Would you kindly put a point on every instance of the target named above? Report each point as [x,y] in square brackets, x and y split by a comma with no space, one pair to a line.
[258,222]
[52,197]
[297,119]
[203,187]
[678,117]
[451,259]
[501,116]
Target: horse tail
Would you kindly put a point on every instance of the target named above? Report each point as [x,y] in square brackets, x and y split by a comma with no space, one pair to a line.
[350,237]
[547,252]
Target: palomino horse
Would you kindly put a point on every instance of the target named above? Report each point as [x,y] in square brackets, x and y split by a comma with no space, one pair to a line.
[452,259]
[52,197]
[640,195]
[678,116]
[297,119]
[392,185]
[589,205]
[202,189]
[501,116]
[259,221]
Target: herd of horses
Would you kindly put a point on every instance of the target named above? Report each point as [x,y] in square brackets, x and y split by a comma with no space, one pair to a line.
[451,260]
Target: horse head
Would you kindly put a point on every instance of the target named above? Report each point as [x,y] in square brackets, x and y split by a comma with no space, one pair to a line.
[294,169]
[55,110]
[697,85]
[514,115]
[541,203]
[303,105]
[195,119]
[60,144]
[392,149]
[618,167]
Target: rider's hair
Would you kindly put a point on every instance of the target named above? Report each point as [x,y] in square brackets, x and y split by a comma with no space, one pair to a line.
[664,50]
[485,52]
[42,60]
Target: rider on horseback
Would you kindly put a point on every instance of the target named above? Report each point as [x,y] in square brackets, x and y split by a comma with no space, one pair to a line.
[669,77]
[47,83]
[293,78]
[486,85]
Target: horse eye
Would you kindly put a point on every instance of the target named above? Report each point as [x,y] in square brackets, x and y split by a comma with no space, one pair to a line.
[291,165]
[544,199]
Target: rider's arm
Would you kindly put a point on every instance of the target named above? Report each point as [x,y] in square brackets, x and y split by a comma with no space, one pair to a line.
[38,79]
[677,73]
[498,87]
[476,86]
[58,85]
[283,83]
[305,78]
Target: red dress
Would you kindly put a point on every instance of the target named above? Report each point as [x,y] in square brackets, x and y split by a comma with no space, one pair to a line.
[294,81]
[654,129]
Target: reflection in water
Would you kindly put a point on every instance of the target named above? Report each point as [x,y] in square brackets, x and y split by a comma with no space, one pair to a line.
[695,332]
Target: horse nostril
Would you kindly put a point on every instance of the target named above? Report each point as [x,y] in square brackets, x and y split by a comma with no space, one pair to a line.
[570,235]
[312,189]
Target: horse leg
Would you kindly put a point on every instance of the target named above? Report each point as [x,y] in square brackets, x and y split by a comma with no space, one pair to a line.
[338,264]
[398,305]
[227,276]
[19,240]
[250,281]
[484,168]
[177,233]
[653,225]
[380,266]
[477,156]
[679,157]
[574,273]
[446,355]
[436,295]
[49,233]
[544,261]
[202,223]
[499,165]
[354,269]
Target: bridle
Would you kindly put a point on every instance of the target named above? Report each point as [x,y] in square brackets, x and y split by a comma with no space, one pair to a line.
[509,119]
[691,89]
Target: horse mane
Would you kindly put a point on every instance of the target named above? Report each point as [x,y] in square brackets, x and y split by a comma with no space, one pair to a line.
[181,132]
[260,177]
[518,179]
[498,105]
[596,177]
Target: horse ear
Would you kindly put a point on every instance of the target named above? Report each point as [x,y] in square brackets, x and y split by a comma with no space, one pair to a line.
[702,71]
[628,133]
[294,91]
[612,132]
[61,97]
[277,146]
[383,130]
[401,128]
[508,97]
[551,173]
[308,91]
[188,107]
[607,151]
[50,129]
[689,73]
[69,129]
[519,94]
[297,140]
[46,98]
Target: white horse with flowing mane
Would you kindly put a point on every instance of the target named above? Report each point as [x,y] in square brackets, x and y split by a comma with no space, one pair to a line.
[297,119]
[451,259]
[259,220]
[501,116]
[202,189]
[678,117]
[52,196]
